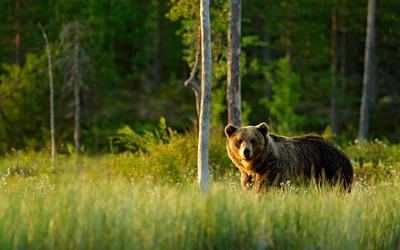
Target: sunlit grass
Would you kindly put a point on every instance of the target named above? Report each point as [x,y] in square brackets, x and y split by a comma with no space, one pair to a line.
[150,200]
[76,212]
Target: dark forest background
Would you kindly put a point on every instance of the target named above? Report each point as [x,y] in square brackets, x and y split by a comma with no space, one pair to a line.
[135,56]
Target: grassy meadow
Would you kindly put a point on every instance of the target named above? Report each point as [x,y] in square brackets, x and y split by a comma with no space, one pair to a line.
[149,199]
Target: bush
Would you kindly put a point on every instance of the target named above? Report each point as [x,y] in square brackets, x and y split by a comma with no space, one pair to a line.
[376,160]
[166,155]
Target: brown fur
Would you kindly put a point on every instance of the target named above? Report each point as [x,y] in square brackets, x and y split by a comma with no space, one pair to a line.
[266,159]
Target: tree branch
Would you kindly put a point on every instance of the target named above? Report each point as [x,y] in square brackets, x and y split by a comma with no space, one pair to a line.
[191,82]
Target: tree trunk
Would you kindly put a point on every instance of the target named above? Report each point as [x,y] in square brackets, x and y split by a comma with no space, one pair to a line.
[52,120]
[233,88]
[334,62]
[204,119]
[18,49]
[368,67]
[77,104]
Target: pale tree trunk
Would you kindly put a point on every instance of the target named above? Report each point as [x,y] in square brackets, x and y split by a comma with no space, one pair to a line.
[52,120]
[334,62]
[233,88]
[77,104]
[73,36]
[368,68]
[204,119]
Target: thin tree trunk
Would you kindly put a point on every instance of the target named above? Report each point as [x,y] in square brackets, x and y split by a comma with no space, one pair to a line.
[18,49]
[233,88]
[204,121]
[52,119]
[334,62]
[77,104]
[368,67]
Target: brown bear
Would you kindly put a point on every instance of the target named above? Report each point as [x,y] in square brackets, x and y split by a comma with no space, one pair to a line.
[265,159]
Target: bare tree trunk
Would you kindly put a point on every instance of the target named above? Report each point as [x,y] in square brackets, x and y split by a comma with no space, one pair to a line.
[204,119]
[233,88]
[18,49]
[334,62]
[77,104]
[368,67]
[52,120]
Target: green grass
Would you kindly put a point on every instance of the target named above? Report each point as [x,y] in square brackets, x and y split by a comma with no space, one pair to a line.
[148,199]
[76,212]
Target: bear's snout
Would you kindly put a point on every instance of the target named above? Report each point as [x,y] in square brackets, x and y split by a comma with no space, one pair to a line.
[246,153]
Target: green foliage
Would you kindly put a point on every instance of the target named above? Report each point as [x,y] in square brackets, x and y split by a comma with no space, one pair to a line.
[285,85]
[106,203]
[165,152]
[375,161]
[133,81]
[24,107]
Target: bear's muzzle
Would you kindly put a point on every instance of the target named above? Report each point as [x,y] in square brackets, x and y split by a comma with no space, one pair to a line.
[246,154]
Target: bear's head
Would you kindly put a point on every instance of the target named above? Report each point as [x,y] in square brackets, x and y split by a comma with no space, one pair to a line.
[246,144]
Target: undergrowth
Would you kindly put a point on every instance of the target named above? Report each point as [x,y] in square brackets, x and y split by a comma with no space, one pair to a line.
[166,156]
[144,195]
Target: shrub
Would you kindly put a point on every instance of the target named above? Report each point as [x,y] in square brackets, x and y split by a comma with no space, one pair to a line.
[376,160]
[166,154]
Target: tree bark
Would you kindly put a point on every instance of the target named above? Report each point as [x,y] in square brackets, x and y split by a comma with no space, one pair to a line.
[204,120]
[77,104]
[233,77]
[52,119]
[368,68]
[334,62]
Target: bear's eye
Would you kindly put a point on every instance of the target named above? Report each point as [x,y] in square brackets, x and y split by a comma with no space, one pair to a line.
[238,143]
[252,141]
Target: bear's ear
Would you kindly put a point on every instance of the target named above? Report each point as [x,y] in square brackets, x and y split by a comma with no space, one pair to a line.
[230,129]
[262,128]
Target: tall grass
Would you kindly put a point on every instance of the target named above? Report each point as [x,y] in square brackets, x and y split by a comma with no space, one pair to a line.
[148,199]
[76,212]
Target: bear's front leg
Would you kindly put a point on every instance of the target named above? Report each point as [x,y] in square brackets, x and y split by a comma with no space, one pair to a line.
[246,180]
[259,182]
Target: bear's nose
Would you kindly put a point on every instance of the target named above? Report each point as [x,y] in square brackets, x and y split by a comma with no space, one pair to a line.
[246,153]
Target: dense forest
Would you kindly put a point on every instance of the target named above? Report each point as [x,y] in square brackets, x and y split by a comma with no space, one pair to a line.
[130,58]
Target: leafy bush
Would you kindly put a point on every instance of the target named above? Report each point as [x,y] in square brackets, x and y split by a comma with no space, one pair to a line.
[376,160]
[165,154]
